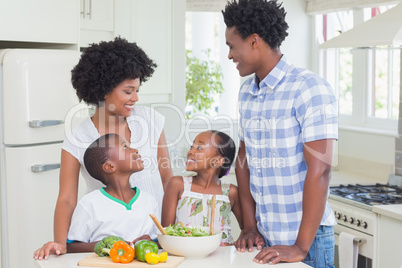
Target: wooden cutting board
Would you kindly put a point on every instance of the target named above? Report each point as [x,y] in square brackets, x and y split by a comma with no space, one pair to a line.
[94,260]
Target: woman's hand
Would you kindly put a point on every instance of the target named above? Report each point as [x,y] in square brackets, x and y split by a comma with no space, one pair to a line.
[248,239]
[49,248]
[277,254]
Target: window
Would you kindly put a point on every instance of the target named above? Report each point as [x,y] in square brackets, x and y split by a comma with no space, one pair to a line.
[366,80]
[206,31]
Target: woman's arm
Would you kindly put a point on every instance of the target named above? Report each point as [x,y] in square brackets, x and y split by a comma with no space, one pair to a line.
[164,161]
[236,206]
[174,189]
[66,202]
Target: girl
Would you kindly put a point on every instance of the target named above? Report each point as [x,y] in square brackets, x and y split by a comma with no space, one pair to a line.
[187,200]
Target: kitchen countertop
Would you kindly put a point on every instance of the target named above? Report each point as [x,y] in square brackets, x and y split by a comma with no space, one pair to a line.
[222,257]
[393,211]
[346,177]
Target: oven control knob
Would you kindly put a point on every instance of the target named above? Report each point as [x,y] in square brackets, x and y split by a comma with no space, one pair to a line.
[345,219]
[351,220]
[364,225]
[338,216]
[358,222]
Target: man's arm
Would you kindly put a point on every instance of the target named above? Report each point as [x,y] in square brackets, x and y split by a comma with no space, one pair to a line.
[319,157]
[249,236]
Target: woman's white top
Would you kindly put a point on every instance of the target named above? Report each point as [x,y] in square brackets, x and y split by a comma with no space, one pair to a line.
[146,126]
[99,214]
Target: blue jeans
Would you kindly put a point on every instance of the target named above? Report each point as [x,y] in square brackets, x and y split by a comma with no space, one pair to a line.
[322,251]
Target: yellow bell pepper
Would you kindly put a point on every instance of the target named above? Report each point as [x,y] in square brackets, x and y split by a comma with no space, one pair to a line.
[152,258]
[163,256]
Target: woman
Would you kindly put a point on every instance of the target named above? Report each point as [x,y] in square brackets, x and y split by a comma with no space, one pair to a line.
[108,76]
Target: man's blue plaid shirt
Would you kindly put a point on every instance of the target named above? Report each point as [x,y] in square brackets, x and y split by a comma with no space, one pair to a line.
[291,106]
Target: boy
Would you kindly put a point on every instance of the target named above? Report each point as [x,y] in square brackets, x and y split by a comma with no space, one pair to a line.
[116,209]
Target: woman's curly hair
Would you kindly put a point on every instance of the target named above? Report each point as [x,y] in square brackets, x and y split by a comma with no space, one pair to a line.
[102,67]
[265,18]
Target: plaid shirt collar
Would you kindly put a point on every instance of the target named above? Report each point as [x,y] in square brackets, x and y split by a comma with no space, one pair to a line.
[272,79]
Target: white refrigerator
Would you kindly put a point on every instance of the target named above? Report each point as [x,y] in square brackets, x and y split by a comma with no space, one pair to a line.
[35,96]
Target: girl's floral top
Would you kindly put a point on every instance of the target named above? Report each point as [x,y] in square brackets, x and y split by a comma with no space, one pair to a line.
[194,209]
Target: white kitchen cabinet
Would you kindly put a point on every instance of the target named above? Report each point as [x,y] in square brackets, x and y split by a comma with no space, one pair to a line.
[45,21]
[157,26]
[389,240]
[151,28]
[31,199]
[96,21]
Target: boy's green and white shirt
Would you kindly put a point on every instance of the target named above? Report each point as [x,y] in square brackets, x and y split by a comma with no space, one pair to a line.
[99,214]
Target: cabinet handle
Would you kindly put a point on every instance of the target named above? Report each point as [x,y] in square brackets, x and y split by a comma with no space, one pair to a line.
[82,8]
[44,123]
[89,9]
[42,168]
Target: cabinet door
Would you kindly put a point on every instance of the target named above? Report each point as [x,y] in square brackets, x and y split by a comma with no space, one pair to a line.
[97,15]
[37,94]
[31,199]
[151,29]
[50,21]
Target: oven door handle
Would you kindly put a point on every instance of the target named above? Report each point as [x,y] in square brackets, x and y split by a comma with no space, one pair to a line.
[356,239]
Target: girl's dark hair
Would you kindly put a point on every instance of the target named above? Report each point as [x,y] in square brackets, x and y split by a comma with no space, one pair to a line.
[265,18]
[102,67]
[226,148]
[97,154]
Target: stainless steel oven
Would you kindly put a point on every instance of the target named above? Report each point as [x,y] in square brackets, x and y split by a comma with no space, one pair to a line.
[352,207]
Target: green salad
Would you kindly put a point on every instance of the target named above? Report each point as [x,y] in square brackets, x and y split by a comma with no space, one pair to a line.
[179,230]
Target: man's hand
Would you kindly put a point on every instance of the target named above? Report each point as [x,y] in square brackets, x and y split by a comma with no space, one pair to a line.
[277,254]
[248,239]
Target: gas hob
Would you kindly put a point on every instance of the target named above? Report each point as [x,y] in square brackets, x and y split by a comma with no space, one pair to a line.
[376,194]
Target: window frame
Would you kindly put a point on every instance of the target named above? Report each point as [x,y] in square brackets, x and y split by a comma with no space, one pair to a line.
[363,70]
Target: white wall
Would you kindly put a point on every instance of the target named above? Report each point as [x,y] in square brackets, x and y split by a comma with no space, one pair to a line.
[366,146]
[296,46]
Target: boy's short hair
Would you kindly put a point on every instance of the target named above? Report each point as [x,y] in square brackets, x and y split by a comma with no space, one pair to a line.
[263,17]
[97,154]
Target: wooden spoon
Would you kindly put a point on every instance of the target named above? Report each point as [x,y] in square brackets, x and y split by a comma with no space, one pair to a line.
[211,226]
[158,224]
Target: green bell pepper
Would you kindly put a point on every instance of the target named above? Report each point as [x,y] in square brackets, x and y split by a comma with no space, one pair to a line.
[143,247]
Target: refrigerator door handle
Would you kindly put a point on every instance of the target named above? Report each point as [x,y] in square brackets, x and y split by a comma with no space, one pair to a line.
[42,168]
[44,123]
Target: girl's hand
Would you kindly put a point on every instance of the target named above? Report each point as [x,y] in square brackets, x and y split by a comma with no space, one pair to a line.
[249,239]
[49,248]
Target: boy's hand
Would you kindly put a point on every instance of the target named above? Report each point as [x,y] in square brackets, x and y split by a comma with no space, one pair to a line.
[143,237]
[49,248]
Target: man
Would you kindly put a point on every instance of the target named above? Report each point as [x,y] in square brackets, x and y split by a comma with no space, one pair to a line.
[288,126]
